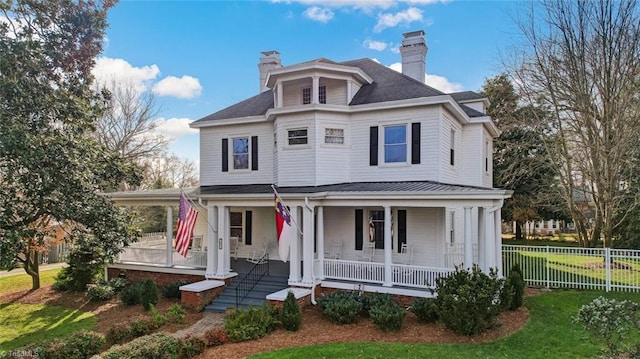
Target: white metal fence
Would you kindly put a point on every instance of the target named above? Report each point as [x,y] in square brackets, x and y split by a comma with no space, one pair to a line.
[572,267]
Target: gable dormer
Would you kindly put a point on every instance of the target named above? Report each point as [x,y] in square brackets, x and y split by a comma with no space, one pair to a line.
[317,82]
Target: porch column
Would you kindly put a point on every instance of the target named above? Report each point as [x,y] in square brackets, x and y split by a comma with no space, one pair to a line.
[490,234]
[294,250]
[315,90]
[320,239]
[388,280]
[468,244]
[169,236]
[221,247]
[212,242]
[279,95]
[497,217]
[307,245]
[483,238]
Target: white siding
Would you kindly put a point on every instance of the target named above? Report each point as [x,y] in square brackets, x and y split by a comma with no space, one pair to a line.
[211,155]
[487,150]
[449,173]
[361,171]
[472,159]
[336,91]
[333,161]
[292,91]
[263,230]
[296,163]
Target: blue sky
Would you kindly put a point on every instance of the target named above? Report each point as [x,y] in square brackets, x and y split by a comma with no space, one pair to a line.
[198,57]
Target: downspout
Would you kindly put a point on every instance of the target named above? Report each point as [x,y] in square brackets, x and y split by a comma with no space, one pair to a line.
[313,285]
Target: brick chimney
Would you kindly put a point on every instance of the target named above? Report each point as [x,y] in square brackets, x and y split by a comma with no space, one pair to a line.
[268,61]
[414,51]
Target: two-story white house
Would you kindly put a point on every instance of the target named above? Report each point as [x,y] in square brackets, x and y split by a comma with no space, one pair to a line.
[388,179]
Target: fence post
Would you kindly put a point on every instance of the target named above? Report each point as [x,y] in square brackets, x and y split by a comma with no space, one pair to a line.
[607,264]
[546,266]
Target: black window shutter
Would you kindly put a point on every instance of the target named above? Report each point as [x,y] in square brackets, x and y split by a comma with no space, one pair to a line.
[359,229]
[225,155]
[254,153]
[415,143]
[373,146]
[402,228]
[452,157]
[248,224]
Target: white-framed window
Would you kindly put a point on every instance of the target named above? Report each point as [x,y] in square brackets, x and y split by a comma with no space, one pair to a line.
[486,156]
[240,148]
[322,94]
[395,143]
[334,136]
[297,136]
[236,225]
[306,95]
[452,146]
[452,216]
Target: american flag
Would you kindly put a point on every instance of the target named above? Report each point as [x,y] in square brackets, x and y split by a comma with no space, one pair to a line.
[186,221]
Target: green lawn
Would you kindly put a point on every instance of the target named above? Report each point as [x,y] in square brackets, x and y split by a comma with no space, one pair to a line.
[22,281]
[22,324]
[550,333]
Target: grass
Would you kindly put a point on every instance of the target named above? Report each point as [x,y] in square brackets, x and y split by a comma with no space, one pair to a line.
[22,324]
[550,333]
[22,281]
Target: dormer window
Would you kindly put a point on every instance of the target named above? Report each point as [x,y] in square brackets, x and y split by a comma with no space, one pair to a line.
[306,95]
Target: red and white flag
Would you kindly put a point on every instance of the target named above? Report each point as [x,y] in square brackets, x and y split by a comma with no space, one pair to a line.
[186,221]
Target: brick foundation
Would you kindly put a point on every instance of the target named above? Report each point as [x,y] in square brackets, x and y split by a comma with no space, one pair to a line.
[161,279]
[198,300]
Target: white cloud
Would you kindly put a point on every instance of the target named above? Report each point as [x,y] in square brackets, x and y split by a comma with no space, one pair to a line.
[108,70]
[173,128]
[374,45]
[320,14]
[184,87]
[386,20]
[438,82]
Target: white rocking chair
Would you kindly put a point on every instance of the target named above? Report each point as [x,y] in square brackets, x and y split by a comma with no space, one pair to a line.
[258,256]
[334,250]
[368,252]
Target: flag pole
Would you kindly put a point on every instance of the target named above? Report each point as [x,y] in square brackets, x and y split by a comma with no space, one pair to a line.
[284,206]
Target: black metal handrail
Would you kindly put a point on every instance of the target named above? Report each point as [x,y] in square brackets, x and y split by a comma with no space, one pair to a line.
[255,274]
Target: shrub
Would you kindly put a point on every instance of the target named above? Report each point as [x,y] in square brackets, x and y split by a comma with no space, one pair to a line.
[215,337]
[175,313]
[611,321]
[77,345]
[62,280]
[158,318]
[172,290]
[514,287]
[375,299]
[125,332]
[253,323]
[117,284]
[157,345]
[425,309]
[192,346]
[131,295]
[291,314]
[148,294]
[387,316]
[341,307]
[468,302]
[100,293]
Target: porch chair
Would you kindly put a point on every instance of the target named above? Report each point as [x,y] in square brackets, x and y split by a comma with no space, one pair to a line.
[196,243]
[257,256]
[406,254]
[234,247]
[368,252]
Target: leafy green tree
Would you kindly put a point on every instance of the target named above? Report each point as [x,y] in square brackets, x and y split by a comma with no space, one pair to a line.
[51,168]
[520,163]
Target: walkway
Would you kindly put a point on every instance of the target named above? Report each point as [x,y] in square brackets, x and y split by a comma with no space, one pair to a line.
[208,321]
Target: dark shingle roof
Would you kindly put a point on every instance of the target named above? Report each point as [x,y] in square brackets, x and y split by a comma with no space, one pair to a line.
[466,96]
[388,84]
[253,106]
[471,112]
[403,186]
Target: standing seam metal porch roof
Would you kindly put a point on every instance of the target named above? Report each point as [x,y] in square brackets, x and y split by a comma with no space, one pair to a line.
[387,85]
[350,187]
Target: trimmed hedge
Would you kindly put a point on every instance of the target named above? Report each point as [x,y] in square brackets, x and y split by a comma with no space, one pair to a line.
[158,345]
[342,307]
[77,345]
[253,323]
[291,313]
[387,316]
[425,309]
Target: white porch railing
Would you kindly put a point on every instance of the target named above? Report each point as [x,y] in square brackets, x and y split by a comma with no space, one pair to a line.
[417,276]
[373,272]
[572,267]
[196,259]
